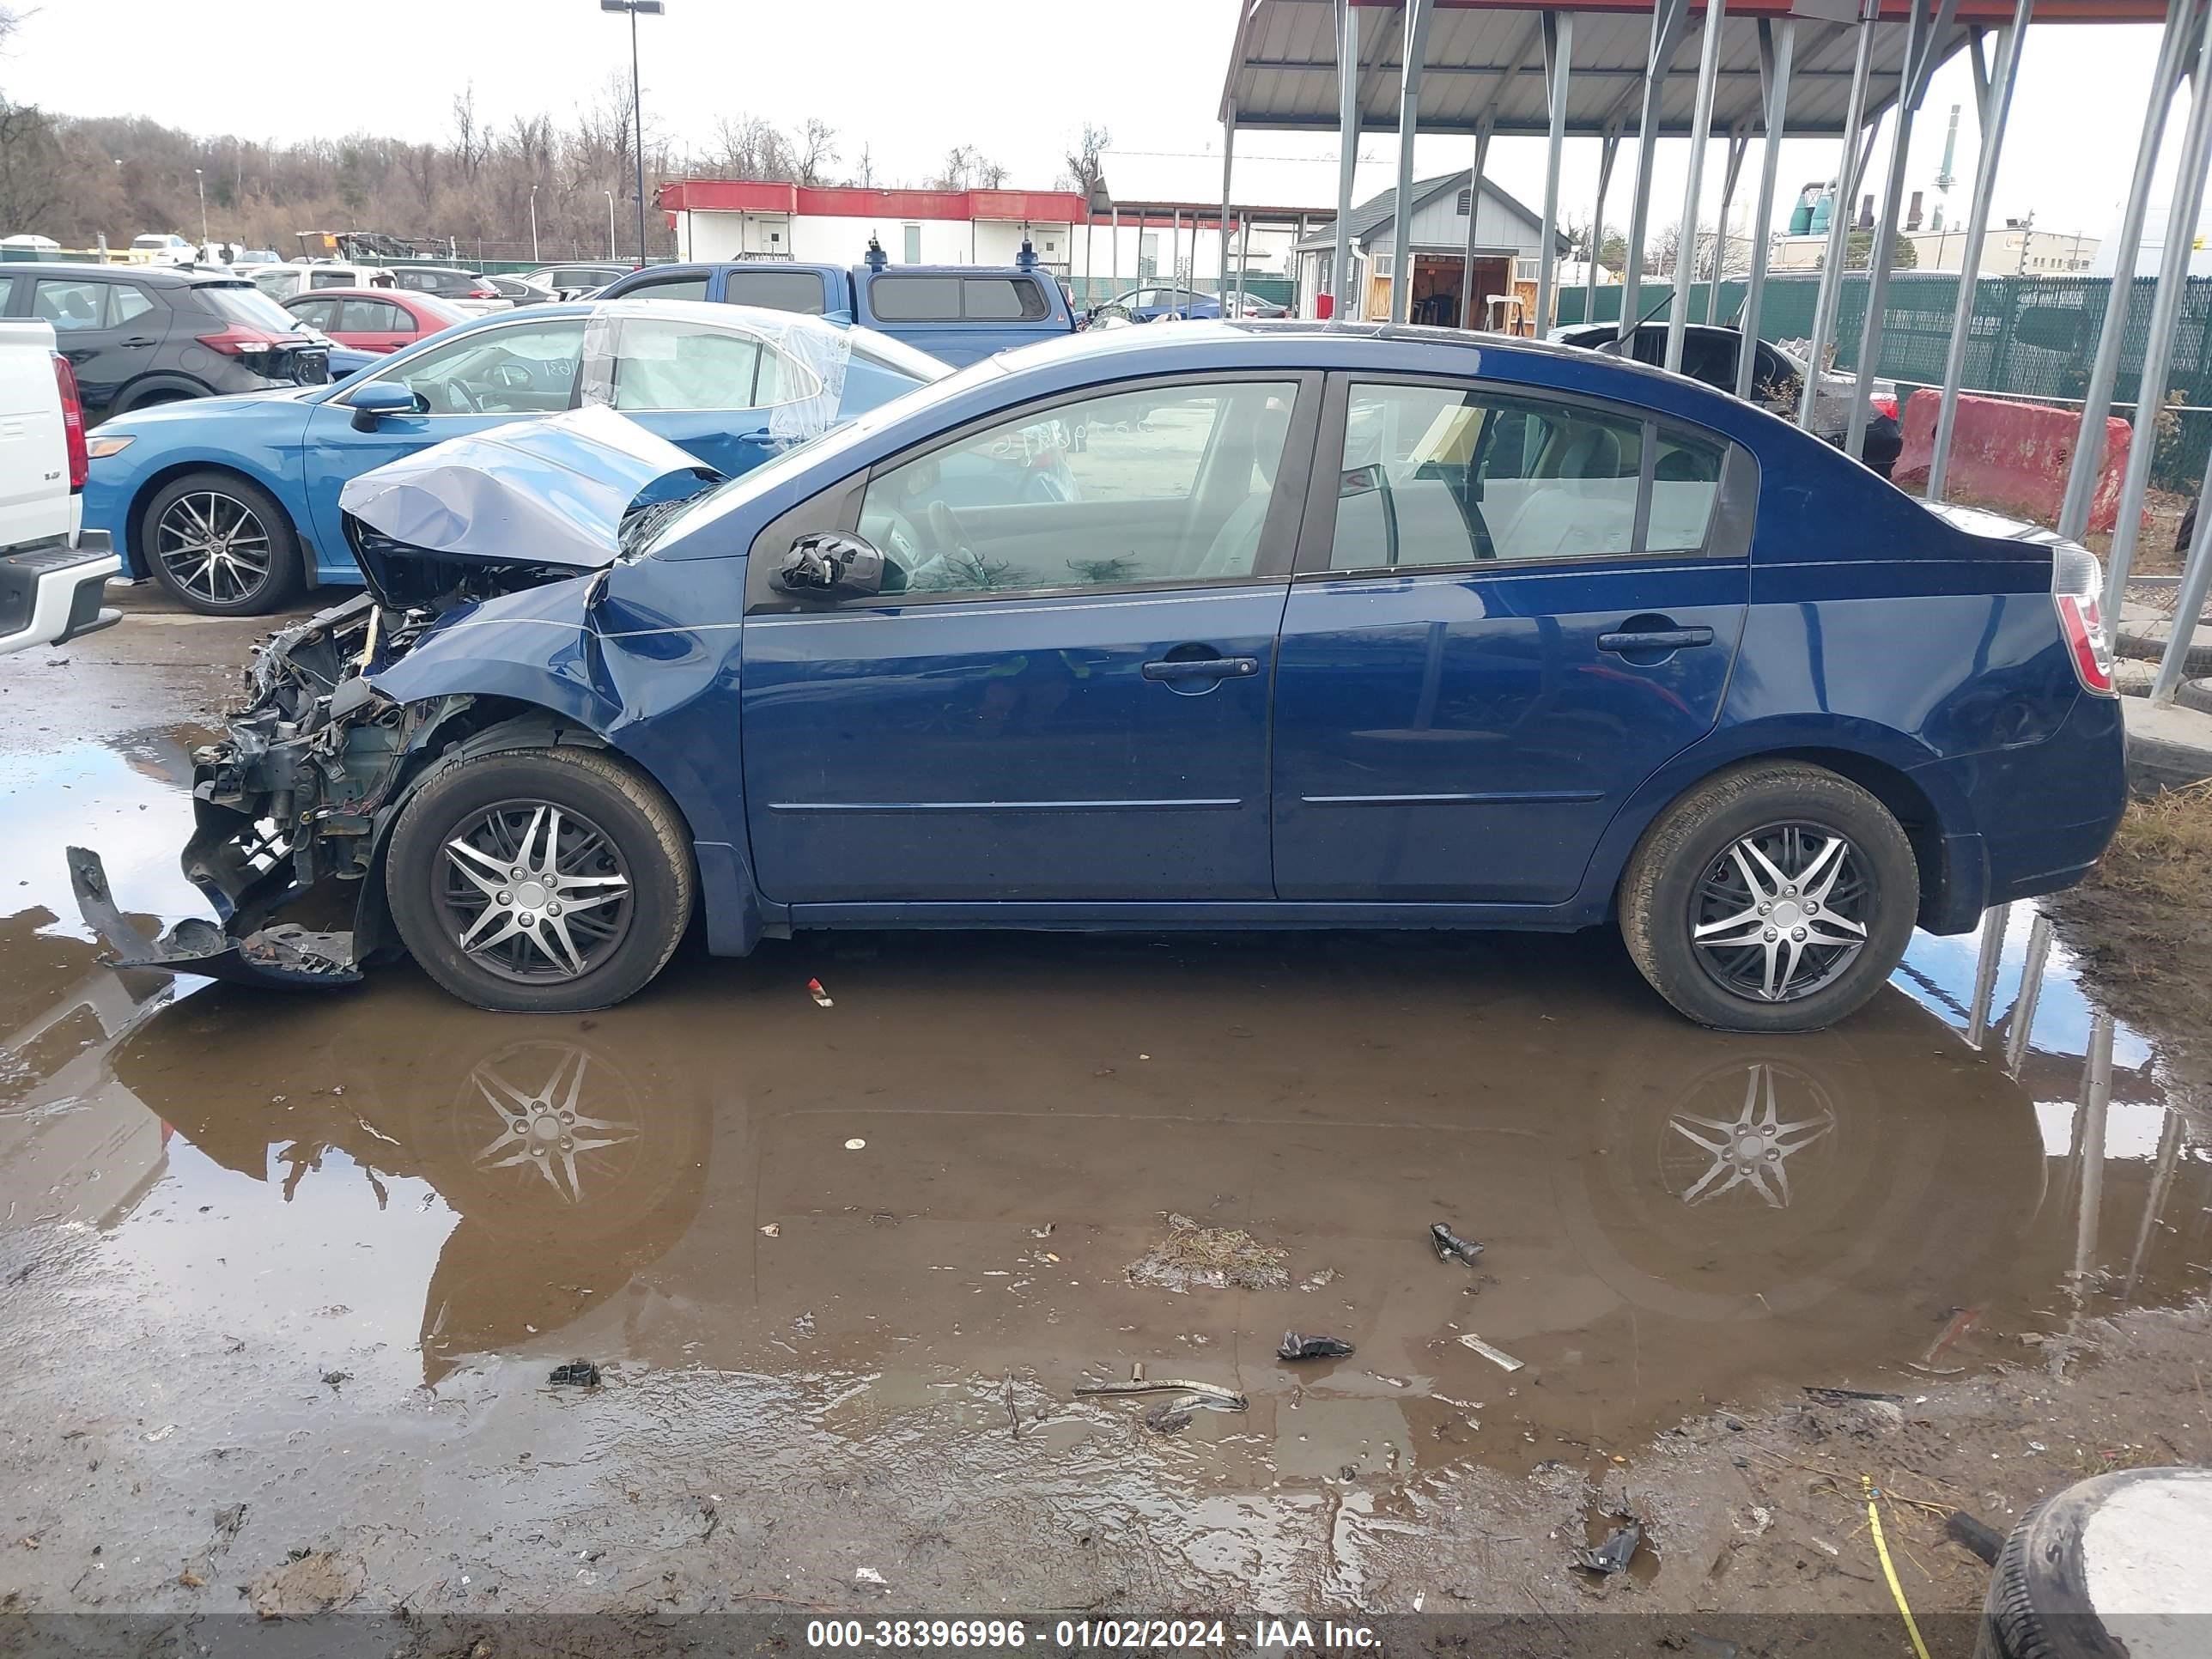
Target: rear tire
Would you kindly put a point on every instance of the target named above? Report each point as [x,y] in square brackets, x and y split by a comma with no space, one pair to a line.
[220,545]
[540,880]
[1832,867]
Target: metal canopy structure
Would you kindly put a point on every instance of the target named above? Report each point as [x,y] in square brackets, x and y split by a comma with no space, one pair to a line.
[1615,70]
[1484,61]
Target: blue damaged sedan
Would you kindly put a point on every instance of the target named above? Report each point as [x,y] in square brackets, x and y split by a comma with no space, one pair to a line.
[1216,626]
[231,504]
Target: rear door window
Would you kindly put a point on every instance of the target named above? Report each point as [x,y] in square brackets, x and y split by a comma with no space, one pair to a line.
[664,365]
[125,302]
[374,316]
[1440,476]
[775,290]
[71,304]
[693,287]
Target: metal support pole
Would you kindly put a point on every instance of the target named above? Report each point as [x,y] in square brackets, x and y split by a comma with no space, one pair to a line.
[1243,256]
[1926,24]
[2188,606]
[1739,141]
[1347,154]
[1996,111]
[1558,50]
[2020,1023]
[1409,122]
[2181,24]
[1090,269]
[1228,159]
[1839,220]
[1668,18]
[1685,238]
[1777,44]
[1473,211]
[1610,150]
[637,132]
[2164,317]
[1995,919]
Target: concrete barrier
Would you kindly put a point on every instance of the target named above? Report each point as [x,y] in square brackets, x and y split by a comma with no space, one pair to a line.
[2012,455]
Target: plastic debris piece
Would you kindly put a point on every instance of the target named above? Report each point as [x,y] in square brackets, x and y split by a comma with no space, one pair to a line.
[576,1374]
[1450,1247]
[1496,1356]
[822,998]
[869,1575]
[1172,1415]
[855,1144]
[1312,1347]
[1613,1555]
[774,1230]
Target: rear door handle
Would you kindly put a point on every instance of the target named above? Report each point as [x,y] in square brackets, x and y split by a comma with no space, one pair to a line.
[141,340]
[1655,638]
[1202,668]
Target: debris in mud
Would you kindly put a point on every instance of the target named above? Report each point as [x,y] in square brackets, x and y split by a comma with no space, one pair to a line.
[772,1230]
[1614,1554]
[855,1144]
[333,1378]
[870,1576]
[1496,1356]
[822,999]
[1228,1399]
[1450,1247]
[1044,1231]
[1318,1280]
[1839,1396]
[314,1582]
[1210,1258]
[1984,1540]
[1171,1416]
[576,1374]
[190,1580]
[1295,1347]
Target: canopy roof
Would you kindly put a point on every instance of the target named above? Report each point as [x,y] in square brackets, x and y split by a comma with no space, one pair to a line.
[1487,56]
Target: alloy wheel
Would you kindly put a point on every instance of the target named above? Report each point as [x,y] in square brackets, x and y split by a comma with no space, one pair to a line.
[1782,912]
[534,892]
[214,546]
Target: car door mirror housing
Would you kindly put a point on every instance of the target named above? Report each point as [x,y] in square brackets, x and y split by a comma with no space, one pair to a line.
[832,566]
[373,403]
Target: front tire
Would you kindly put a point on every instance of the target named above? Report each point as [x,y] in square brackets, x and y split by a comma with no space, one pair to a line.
[1776,898]
[220,545]
[540,880]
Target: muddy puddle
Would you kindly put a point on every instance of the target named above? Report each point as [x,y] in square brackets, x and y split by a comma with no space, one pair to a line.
[906,1221]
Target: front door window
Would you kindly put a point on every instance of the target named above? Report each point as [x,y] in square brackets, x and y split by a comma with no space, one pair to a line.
[519,369]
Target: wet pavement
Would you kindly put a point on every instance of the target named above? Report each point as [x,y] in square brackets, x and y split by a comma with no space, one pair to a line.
[842,1268]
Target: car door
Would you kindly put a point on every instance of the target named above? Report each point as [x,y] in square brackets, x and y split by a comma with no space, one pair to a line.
[110,330]
[376,325]
[492,375]
[1511,607]
[1058,695]
[319,313]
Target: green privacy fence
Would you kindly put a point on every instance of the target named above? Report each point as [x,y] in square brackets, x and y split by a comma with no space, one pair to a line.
[2031,337]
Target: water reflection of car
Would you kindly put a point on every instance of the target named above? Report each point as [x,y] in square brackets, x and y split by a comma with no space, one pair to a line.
[1709,353]
[1335,627]
[234,509]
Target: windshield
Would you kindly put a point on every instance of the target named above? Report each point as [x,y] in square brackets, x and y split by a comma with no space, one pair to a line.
[703,510]
[242,302]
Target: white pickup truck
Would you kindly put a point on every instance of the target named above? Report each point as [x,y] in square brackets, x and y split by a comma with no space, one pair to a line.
[54,574]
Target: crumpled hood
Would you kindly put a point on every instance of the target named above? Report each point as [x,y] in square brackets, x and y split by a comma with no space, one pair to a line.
[554,491]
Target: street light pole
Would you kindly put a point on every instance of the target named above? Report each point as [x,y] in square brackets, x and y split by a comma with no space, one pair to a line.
[652,8]
[609,195]
[533,224]
[201,179]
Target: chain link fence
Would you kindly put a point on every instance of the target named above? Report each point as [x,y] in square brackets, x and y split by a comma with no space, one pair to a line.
[2032,337]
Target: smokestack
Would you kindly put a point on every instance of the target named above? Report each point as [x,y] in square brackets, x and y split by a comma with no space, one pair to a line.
[1912,212]
[1866,212]
[1944,177]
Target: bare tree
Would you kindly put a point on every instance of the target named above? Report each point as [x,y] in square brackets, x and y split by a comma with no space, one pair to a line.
[816,151]
[32,182]
[750,148]
[865,178]
[469,139]
[967,167]
[1085,170]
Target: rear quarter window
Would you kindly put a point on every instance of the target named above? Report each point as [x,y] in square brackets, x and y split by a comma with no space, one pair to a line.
[1004,299]
[915,299]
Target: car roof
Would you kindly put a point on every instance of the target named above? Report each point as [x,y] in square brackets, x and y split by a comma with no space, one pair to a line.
[159,275]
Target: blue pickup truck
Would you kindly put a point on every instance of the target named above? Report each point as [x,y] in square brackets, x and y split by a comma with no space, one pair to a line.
[957,314]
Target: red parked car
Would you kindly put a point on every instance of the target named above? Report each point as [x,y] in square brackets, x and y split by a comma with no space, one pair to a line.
[375,319]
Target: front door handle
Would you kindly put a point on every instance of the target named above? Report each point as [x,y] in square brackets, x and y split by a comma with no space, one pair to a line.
[1654,639]
[140,340]
[1201,668]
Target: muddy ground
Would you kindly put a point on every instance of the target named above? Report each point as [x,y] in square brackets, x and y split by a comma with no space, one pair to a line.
[286,1279]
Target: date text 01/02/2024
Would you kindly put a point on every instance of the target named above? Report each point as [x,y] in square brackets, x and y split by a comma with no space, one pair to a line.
[1085,1635]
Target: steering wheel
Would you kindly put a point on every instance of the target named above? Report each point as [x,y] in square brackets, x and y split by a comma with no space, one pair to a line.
[944,530]
[457,391]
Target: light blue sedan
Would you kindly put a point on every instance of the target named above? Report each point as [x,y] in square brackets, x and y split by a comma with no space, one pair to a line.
[231,504]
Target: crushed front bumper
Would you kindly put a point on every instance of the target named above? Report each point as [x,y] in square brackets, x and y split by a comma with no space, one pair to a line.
[282,954]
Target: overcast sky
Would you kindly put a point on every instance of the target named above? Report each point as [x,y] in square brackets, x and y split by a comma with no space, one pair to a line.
[912,79]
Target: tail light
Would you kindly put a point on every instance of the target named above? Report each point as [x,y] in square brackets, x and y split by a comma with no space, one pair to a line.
[238,341]
[2077,583]
[1884,406]
[484,291]
[80,463]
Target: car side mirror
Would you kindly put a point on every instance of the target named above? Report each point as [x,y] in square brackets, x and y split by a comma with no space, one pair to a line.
[832,566]
[373,402]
